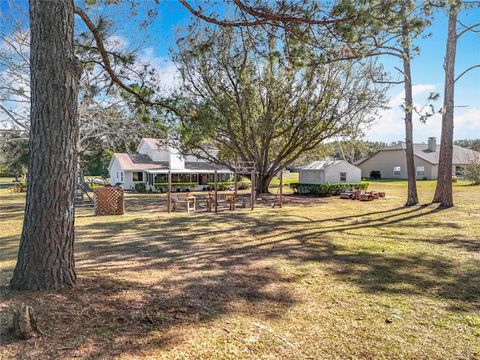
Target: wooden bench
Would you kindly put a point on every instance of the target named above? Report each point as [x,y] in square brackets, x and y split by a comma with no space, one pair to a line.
[222,199]
[187,199]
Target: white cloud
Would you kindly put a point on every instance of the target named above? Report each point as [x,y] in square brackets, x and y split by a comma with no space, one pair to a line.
[116,42]
[390,125]
[167,74]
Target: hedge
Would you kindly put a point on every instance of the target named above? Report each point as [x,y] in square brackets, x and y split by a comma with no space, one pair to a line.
[141,187]
[222,185]
[178,187]
[325,190]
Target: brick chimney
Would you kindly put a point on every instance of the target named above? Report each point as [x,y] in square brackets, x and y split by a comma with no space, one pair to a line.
[432,144]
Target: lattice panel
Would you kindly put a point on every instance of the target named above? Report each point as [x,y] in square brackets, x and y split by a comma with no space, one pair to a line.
[109,201]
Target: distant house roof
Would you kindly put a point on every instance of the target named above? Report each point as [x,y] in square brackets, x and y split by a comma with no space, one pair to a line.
[320,165]
[461,155]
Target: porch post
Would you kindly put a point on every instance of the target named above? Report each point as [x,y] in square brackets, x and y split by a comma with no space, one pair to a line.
[235,188]
[216,189]
[169,192]
[281,189]
[252,192]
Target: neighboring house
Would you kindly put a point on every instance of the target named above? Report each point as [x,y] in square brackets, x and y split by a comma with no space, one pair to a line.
[329,172]
[154,159]
[392,163]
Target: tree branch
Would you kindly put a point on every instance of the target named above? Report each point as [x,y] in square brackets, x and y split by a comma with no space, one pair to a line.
[466,71]
[468,28]
[108,68]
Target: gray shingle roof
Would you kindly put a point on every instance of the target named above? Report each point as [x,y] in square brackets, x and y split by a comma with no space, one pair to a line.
[461,155]
[321,164]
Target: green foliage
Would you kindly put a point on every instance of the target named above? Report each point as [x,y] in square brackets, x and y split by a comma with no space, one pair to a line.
[221,186]
[325,190]
[472,144]
[375,175]
[141,187]
[14,153]
[471,171]
[349,149]
[265,99]
[20,187]
[97,163]
[176,187]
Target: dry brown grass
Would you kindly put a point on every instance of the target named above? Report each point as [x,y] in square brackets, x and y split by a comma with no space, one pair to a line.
[334,279]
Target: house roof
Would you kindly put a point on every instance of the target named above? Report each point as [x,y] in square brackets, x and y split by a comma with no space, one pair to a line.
[139,162]
[142,162]
[320,165]
[461,155]
[154,143]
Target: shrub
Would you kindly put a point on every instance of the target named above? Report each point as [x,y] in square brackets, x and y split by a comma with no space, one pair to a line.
[325,190]
[20,187]
[471,171]
[221,186]
[141,187]
[176,187]
[375,175]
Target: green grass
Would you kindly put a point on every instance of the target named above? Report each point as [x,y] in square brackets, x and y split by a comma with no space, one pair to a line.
[287,180]
[335,279]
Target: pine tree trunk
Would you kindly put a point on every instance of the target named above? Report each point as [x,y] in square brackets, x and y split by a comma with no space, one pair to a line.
[443,191]
[45,258]
[412,196]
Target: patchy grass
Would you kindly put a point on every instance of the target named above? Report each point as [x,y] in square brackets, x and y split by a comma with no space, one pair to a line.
[6,179]
[287,180]
[333,279]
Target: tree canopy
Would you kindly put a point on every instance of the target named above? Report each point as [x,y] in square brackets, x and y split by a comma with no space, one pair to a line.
[254,97]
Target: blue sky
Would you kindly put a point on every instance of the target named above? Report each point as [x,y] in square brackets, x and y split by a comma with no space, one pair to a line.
[159,37]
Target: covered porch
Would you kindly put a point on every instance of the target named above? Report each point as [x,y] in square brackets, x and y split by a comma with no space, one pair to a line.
[197,179]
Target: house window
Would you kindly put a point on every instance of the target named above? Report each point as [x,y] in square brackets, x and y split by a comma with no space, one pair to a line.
[396,171]
[121,176]
[420,170]
[458,170]
[343,177]
[137,176]
[118,175]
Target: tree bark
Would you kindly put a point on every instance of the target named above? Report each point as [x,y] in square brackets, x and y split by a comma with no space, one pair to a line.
[443,191]
[412,196]
[262,182]
[45,257]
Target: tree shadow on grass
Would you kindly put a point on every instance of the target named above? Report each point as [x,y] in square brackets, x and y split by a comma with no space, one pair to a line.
[104,316]
[244,240]
[141,275]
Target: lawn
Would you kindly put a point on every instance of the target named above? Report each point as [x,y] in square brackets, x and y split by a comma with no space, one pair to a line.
[336,279]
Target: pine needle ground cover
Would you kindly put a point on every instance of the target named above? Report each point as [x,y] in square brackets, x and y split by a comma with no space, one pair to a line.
[331,279]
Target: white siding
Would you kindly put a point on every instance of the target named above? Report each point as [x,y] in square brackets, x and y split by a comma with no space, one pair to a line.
[332,174]
[153,153]
[176,161]
[115,172]
[311,176]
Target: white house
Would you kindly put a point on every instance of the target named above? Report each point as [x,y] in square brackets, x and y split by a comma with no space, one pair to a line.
[153,161]
[329,172]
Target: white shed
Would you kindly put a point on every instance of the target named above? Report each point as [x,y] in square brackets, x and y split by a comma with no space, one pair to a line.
[330,172]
